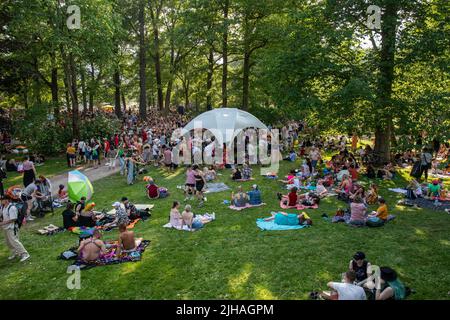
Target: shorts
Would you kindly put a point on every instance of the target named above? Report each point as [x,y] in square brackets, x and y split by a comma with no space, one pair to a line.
[199,186]
[72,156]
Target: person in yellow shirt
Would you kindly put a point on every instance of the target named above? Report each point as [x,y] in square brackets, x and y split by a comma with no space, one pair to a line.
[71,154]
[382,211]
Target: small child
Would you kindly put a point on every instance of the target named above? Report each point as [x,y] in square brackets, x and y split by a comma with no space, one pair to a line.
[62,194]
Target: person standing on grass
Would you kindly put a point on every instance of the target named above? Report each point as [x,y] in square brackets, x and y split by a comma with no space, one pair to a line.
[11,230]
[425,162]
[71,154]
[29,172]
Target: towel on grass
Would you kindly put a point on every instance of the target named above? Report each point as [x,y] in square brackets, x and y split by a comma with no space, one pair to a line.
[110,257]
[246,207]
[398,190]
[243,180]
[87,231]
[185,227]
[299,206]
[272,226]
[216,187]
[138,207]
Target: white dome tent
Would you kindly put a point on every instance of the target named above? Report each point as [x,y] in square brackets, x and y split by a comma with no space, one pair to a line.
[224,123]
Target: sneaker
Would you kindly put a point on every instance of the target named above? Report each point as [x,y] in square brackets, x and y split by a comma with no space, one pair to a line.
[12,257]
[25,257]
[30,218]
[204,199]
[213,216]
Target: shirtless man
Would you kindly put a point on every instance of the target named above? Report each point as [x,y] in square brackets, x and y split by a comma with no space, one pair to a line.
[126,239]
[91,249]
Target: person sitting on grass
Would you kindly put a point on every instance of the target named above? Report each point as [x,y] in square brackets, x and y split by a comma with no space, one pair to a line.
[353,172]
[254,196]
[391,287]
[127,242]
[92,249]
[121,216]
[175,217]
[357,212]
[345,187]
[246,172]
[210,173]
[321,191]
[372,194]
[236,174]
[380,216]
[62,194]
[155,192]
[291,157]
[358,190]
[70,218]
[87,217]
[239,199]
[343,174]
[344,290]
[292,197]
[290,219]
[189,219]
[309,199]
[362,269]
[434,189]
[370,172]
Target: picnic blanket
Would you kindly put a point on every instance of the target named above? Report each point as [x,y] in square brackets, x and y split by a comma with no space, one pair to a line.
[216,187]
[272,226]
[88,231]
[185,227]
[426,203]
[299,206]
[246,207]
[112,212]
[404,192]
[243,180]
[110,257]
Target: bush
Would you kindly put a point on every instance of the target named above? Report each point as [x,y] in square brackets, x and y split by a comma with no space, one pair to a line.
[42,135]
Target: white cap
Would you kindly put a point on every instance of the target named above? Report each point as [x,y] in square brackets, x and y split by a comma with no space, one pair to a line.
[116,204]
[255,186]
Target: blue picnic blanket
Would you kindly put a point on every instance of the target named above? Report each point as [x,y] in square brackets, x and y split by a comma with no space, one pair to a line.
[272,226]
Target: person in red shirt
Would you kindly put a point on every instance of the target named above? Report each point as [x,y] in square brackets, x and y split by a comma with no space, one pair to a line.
[353,172]
[152,190]
[116,140]
[293,198]
[107,146]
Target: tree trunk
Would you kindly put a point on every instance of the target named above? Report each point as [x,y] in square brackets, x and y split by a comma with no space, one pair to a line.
[142,62]
[245,81]
[157,61]
[383,131]
[117,107]
[186,85]
[209,80]
[124,104]
[54,89]
[83,88]
[91,89]
[225,55]
[168,96]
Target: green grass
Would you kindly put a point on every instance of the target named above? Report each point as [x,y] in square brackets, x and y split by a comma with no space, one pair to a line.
[231,258]
[51,167]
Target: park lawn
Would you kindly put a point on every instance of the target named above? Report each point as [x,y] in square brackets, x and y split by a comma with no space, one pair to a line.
[51,167]
[231,258]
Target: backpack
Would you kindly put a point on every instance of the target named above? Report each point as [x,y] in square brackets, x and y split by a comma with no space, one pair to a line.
[21,212]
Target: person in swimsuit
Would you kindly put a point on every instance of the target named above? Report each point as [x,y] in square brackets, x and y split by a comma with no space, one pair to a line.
[127,241]
[92,249]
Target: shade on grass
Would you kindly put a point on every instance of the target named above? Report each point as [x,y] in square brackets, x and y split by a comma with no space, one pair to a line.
[231,258]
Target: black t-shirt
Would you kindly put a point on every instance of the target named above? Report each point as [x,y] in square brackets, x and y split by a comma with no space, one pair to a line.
[68,219]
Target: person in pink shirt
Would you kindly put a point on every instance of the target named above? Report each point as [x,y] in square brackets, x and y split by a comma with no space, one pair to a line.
[190,183]
[357,212]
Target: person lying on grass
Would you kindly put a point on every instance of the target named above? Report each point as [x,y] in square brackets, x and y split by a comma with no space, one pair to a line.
[254,196]
[239,199]
[127,241]
[362,269]
[344,290]
[290,219]
[190,220]
[92,248]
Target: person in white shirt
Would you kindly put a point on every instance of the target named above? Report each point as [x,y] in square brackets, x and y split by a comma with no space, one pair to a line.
[11,230]
[345,290]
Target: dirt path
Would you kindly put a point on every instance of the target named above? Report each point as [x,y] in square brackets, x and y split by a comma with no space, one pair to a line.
[92,173]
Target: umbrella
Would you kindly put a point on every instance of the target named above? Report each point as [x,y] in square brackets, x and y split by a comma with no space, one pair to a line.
[79,186]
